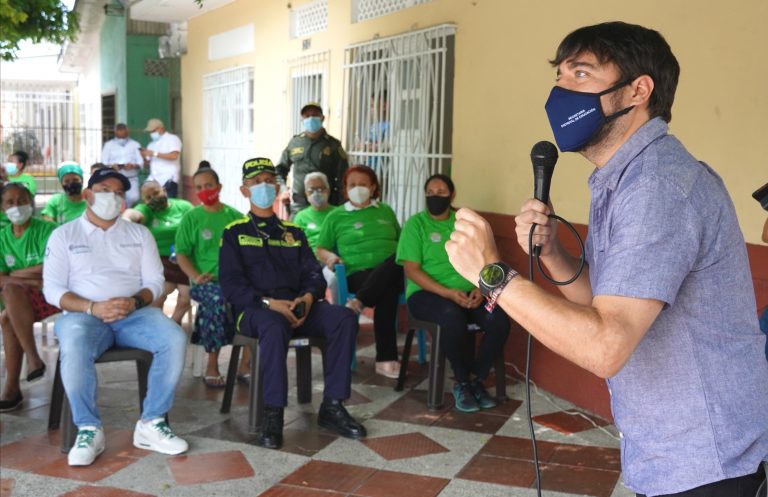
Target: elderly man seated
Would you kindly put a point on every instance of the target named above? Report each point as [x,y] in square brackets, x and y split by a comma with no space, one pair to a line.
[269,274]
[104,271]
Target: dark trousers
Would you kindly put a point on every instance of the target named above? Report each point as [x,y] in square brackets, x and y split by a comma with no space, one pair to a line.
[380,288]
[337,324]
[453,321]
[742,486]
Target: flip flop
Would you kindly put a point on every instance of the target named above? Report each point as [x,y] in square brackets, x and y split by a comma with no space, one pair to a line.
[36,374]
[244,378]
[214,381]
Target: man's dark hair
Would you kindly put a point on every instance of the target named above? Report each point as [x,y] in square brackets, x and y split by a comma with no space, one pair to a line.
[635,51]
[17,186]
[22,157]
[120,126]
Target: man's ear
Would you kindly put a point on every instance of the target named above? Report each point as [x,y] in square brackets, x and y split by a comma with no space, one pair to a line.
[245,192]
[277,189]
[642,88]
[88,195]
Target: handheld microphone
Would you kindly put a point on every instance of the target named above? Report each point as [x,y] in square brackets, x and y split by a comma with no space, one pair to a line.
[543,157]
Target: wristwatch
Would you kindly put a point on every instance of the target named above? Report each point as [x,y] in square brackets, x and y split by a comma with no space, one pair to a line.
[492,276]
[265,302]
[155,154]
[138,302]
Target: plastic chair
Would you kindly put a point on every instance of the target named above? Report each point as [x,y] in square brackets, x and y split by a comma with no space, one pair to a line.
[343,294]
[60,410]
[436,385]
[302,346]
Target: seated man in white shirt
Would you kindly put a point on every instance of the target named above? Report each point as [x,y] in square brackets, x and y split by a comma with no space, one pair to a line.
[103,272]
[163,154]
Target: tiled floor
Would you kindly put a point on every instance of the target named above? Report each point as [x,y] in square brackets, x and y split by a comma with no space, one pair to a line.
[409,451]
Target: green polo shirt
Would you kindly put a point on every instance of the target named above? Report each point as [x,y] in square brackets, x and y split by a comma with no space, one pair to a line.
[164,224]
[62,210]
[28,180]
[199,236]
[27,250]
[311,221]
[363,238]
[423,241]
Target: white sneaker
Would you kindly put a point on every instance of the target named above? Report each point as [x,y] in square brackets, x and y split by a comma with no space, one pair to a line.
[157,435]
[88,445]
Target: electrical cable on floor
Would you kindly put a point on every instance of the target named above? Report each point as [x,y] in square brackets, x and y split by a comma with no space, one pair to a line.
[534,252]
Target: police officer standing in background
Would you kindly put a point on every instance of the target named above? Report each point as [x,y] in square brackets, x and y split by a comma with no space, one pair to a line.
[269,274]
[310,151]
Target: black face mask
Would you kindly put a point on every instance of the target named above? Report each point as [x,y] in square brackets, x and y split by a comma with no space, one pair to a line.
[437,204]
[158,203]
[73,188]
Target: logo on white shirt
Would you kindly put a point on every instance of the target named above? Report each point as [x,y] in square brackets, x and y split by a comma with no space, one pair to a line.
[79,249]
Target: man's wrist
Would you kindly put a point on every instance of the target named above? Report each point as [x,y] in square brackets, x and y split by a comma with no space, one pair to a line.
[89,308]
[155,154]
[138,302]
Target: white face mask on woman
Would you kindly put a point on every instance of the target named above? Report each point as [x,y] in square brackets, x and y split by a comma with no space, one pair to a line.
[20,214]
[359,194]
[107,205]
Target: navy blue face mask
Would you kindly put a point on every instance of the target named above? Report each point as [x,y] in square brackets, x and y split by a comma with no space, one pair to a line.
[576,116]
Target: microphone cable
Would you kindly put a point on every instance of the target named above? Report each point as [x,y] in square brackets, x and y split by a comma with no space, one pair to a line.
[534,253]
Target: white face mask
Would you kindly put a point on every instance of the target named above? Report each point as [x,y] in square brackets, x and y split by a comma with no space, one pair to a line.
[359,194]
[107,205]
[154,135]
[20,214]
[318,199]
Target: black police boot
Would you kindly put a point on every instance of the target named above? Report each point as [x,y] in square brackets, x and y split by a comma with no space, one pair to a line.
[334,416]
[271,436]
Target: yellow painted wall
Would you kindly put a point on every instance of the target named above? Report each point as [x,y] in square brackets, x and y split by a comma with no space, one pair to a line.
[502,80]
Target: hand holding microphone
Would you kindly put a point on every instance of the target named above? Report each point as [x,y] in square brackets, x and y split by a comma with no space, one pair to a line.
[536,211]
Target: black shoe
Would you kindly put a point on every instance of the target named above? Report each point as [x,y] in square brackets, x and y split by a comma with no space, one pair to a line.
[37,373]
[11,404]
[271,436]
[335,417]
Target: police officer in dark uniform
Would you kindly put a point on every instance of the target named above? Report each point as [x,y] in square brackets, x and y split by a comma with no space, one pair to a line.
[310,151]
[272,279]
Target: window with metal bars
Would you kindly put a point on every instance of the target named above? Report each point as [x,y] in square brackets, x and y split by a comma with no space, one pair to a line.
[308,76]
[398,97]
[228,127]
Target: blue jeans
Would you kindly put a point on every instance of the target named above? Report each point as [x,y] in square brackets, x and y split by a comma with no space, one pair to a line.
[83,338]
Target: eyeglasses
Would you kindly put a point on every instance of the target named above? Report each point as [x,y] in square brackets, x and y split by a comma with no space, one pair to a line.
[319,189]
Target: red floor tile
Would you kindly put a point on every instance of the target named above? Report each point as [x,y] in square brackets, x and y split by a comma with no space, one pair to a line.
[90,491]
[390,484]
[575,480]
[412,408]
[481,422]
[291,491]
[568,423]
[210,467]
[6,486]
[329,476]
[28,456]
[489,469]
[586,456]
[404,446]
[517,448]
[305,443]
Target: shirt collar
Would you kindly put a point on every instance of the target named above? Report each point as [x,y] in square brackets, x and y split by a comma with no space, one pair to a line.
[349,207]
[609,175]
[89,227]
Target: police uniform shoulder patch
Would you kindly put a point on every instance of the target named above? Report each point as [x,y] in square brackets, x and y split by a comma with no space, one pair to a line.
[242,220]
[289,224]
[327,151]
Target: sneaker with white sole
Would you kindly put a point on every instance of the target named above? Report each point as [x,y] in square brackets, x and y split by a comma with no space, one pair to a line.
[157,435]
[88,445]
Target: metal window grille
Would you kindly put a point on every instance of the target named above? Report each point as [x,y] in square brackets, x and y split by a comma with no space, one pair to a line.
[308,76]
[362,10]
[44,121]
[228,127]
[310,18]
[398,95]
[156,67]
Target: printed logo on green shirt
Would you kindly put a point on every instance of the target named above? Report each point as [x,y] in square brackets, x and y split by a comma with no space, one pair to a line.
[206,234]
[358,225]
[252,241]
[10,260]
[435,237]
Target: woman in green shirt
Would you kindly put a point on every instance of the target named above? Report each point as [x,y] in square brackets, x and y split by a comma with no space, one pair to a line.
[22,245]
[69,204]
[436,293]
[362,234]
[15,166]
[197,252]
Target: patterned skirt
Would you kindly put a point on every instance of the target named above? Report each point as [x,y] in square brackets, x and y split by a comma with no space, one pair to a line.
[214,326]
